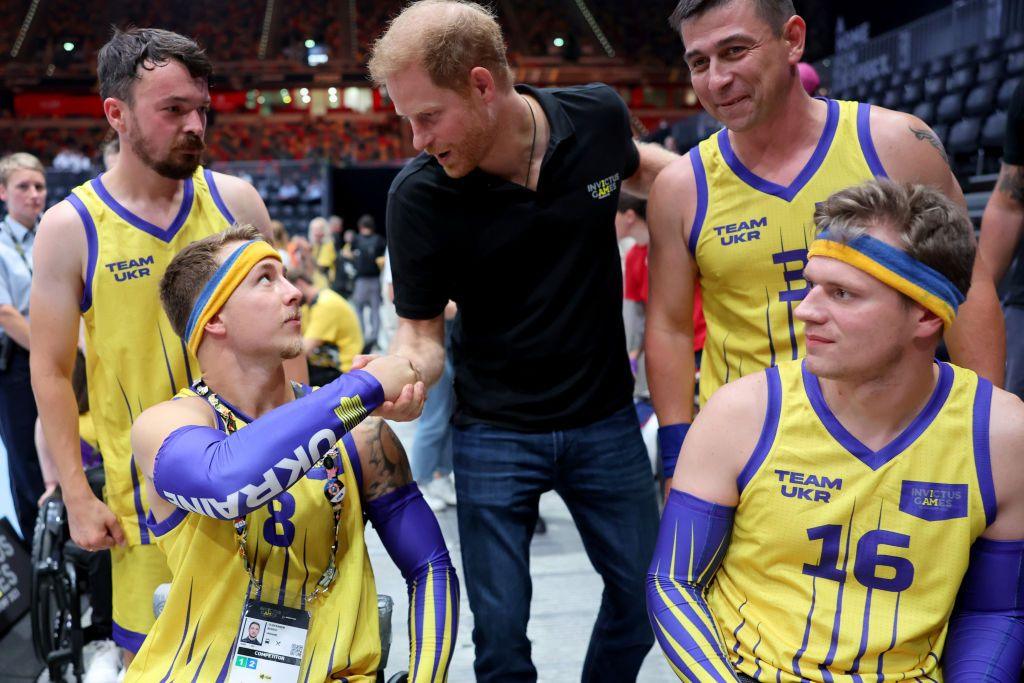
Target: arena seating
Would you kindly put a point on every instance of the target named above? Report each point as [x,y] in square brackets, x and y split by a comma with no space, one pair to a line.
[963,97]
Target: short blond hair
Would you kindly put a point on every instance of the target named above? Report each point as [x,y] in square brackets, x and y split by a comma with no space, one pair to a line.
[17,162]
[448,38]
[929,226]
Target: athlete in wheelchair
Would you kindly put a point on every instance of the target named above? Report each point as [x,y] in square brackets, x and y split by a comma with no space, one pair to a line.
[63,575]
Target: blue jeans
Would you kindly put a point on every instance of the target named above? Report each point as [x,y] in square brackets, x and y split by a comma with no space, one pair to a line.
[602,473]
[432,447]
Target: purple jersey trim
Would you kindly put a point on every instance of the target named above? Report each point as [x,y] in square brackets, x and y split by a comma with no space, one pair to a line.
[768,430]
[129,640]
[701,180]
[158,529]
[871,458]
[92,245]
[786,193]
[140,511]
[217,199]
[867,145]
[982,454]
[142,224]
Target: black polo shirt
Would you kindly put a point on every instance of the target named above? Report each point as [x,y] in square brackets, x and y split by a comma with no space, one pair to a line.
[540,344]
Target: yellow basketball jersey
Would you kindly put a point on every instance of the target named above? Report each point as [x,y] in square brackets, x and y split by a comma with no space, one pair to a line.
[332,320]
[289,543]
[844,562]
[750,236]
[133,357]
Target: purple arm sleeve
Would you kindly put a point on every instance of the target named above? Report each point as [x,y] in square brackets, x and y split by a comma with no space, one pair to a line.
[670,442]
[203,470]
[986,632]
[692,541]
[413,539]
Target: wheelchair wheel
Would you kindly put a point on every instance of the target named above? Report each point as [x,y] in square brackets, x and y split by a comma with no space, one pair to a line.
[56,635]
[399,678]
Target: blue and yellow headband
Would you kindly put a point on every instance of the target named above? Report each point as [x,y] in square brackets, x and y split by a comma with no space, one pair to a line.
[220,287]
[895,268]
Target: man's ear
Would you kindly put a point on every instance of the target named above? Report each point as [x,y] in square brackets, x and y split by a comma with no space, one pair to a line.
[928,324]
[794,32]
[481,83]
[116,111]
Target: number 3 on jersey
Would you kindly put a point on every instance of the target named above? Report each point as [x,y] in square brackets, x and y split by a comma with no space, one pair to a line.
[791,275]
[869,559]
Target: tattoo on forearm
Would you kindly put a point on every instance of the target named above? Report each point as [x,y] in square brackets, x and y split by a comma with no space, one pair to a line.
[387,465]
[1011,182]
[931,138]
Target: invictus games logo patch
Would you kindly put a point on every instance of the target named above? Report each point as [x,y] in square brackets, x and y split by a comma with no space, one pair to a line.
[933,502]
[604,188]
[350,411]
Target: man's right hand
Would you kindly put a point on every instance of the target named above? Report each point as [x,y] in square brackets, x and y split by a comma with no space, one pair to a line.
[93,526]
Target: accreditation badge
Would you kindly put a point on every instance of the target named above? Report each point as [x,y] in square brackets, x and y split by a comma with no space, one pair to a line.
[270,644]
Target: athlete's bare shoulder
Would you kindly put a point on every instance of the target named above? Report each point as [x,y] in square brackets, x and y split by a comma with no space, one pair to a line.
[672,202]
[61,242]
[909,149]
[157,422]
[722,437]
[1006,445]
[243,201]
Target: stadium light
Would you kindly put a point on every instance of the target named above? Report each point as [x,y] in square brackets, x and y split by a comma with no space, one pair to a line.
[559,42]
[310,43]
[69,46]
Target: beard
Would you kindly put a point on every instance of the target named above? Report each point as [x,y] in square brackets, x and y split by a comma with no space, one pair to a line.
[477,140]
[180,163]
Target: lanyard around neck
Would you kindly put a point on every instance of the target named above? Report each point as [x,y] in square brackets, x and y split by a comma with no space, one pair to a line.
[334,491]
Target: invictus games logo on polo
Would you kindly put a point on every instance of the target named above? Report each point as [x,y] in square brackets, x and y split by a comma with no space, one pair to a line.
[602,189]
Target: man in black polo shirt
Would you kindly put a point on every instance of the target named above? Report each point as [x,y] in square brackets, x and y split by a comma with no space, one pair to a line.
[510,212]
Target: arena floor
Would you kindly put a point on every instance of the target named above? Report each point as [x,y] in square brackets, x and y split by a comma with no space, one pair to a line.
[566,595]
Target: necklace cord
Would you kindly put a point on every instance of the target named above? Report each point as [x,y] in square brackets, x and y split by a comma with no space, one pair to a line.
[533,142]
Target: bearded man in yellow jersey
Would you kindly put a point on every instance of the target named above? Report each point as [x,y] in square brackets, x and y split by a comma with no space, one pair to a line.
[100,255]
[259,488]
[736,213]
[857,515]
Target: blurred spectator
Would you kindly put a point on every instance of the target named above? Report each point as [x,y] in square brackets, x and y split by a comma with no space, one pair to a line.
[71,159]
[330,331]
[368,257]
[279,239]
[111,149]
[23,189]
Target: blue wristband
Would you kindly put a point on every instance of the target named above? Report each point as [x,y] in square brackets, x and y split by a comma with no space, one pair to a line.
[670,441]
